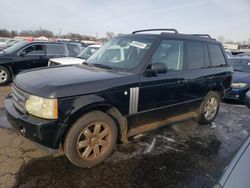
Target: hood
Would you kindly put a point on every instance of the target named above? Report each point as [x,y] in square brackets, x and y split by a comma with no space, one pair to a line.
[65,81]
[68,60]
[241,77]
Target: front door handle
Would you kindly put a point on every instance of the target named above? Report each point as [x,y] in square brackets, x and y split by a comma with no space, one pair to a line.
[211,77]
[182,81]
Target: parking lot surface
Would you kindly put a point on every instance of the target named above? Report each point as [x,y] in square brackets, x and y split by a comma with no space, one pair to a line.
[179,155]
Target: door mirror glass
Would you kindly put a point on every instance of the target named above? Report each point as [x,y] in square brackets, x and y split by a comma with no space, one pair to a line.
[159,68]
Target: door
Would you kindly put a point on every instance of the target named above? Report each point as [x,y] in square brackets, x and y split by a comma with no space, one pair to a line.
[163,95]
[30,57]
[198,72]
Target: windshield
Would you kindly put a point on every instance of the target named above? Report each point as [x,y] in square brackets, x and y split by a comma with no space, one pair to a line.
[241,65]
[87,52]
[15,47]
[121,53]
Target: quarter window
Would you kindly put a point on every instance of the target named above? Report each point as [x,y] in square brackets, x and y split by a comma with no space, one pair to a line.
[196,55]
[34,50]
[170,52]
[54,49]
[216,55]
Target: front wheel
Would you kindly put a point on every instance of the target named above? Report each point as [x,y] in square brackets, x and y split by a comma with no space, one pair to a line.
[91,139]
[5,75]
[209,108]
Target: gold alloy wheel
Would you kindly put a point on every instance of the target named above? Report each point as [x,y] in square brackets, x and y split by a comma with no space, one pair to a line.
[92,142]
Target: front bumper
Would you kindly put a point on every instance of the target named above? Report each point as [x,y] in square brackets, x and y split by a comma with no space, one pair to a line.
[237,94]
[247,99]
[48,133]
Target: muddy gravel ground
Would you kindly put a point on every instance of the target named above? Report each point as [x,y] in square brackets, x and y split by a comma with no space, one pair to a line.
[179,155]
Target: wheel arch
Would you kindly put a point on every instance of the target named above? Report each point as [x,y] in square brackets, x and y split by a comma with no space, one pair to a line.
[120,120]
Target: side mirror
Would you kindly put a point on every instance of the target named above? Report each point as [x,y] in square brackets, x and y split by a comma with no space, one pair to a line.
[159,68]
[22,53]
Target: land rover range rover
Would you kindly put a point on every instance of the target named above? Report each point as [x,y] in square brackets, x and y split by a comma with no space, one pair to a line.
[86,109]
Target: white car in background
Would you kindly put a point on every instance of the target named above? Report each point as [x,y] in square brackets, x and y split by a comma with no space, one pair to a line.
[81,58]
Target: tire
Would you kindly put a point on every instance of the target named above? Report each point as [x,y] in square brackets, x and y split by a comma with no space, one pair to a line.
[86,137]
[208,112]
[5,75]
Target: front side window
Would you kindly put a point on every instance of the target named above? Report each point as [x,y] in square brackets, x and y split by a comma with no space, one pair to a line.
[170,53]
[196,55]
[216,55]
[34,50]
[55,49]
[123,53]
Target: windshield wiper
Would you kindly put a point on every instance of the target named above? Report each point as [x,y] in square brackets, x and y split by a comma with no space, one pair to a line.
[102,66]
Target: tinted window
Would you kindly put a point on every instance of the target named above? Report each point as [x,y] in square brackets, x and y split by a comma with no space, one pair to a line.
[170,52]
[54,49]
[34,50]
[196,55]
[216,55]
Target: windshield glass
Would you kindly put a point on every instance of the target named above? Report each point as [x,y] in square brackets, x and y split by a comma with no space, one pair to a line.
[241,65]
[15,47]
[121,53]
[87,52]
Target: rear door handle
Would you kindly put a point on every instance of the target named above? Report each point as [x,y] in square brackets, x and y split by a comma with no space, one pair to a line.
[211,77]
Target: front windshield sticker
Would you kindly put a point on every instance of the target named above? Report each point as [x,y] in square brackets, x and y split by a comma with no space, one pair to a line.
[248,64]
[138,44]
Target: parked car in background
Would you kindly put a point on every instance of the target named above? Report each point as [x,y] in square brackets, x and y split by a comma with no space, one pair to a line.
[244,54]
[82,57]
[161,79]
[27,55]
[3,40]
[236,173]
[9,43]
[241,78]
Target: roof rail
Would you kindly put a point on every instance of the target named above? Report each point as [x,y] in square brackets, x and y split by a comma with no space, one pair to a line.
[202,35]
[144,30]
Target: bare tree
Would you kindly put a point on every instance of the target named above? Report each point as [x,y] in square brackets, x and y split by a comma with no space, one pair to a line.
[110,35]
[221,39]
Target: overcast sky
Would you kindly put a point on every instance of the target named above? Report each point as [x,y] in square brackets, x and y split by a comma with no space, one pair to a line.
[228,18]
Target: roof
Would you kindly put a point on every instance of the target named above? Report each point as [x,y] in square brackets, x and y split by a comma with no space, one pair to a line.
[171,33]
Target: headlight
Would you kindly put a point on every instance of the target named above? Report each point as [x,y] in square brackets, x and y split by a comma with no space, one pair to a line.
[238,85]
[41,107]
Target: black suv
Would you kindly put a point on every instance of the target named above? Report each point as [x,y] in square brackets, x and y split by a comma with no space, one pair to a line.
[134,83]
[26,55]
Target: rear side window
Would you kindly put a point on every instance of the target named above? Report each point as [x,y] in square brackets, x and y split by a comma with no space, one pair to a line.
[216,55]
[196,55]
[54,49]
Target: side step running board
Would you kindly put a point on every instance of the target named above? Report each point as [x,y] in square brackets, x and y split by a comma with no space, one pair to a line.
[158,124]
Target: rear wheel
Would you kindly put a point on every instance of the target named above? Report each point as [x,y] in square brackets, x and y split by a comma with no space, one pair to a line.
[91,139]
[5,75]
[209,108]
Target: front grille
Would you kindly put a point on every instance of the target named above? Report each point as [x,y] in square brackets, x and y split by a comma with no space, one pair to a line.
[53,63]
[18,98]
